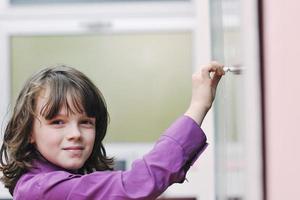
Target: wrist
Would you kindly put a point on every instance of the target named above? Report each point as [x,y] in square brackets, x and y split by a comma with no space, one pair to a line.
[197,112]
[200,107]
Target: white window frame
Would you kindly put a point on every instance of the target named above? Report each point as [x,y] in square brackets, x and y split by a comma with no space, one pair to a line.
[120,9]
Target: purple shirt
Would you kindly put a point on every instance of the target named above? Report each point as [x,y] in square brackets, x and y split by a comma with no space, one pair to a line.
[167,163]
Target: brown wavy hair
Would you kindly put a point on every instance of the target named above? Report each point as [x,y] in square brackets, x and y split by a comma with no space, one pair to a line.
[17,153]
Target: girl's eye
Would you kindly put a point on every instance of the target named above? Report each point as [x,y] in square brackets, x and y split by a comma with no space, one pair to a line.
[87,122]
[57,122]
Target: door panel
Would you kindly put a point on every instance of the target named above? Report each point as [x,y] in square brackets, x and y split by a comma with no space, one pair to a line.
[237,128]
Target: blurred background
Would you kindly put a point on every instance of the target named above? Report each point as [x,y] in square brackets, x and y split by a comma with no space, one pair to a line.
[142,53]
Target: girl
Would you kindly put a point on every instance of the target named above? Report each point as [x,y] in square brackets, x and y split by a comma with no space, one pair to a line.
[52,146]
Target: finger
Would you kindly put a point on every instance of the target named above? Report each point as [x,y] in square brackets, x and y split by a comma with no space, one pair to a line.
[215,71]
[215,80]
[217,77]
[214,66]
[206,71]
[220,71]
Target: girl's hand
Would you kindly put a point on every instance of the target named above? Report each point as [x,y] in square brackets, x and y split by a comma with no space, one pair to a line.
[204,85]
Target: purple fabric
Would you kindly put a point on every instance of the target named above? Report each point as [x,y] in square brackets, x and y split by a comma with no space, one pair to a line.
[166,163]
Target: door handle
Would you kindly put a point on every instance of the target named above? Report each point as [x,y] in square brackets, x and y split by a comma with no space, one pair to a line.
[235,69]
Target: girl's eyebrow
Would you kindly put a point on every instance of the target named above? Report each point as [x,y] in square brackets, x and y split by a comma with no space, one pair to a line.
[55,117]
[58,115]
[87,117]
[61,115]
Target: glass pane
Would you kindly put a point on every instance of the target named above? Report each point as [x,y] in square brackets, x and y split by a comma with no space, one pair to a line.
[141,75]
[33,2]
[230,108]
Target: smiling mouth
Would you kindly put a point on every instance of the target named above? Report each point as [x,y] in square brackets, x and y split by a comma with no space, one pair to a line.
[73,148]
[74,151]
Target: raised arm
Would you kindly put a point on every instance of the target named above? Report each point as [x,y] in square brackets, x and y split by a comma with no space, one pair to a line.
[204,85]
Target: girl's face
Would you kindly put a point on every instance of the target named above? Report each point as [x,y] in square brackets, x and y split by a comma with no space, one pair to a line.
[67,140]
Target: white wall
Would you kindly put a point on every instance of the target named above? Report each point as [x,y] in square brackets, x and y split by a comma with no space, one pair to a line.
[282,86]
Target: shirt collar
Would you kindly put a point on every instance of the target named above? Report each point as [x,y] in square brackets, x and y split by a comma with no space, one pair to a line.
[42,165]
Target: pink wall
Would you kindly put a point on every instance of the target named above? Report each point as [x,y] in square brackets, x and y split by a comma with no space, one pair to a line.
[282,93]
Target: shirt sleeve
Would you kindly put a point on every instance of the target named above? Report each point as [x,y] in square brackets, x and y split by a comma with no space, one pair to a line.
[165,164]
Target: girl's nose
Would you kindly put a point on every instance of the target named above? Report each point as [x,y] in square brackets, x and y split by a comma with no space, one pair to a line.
[74,132]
